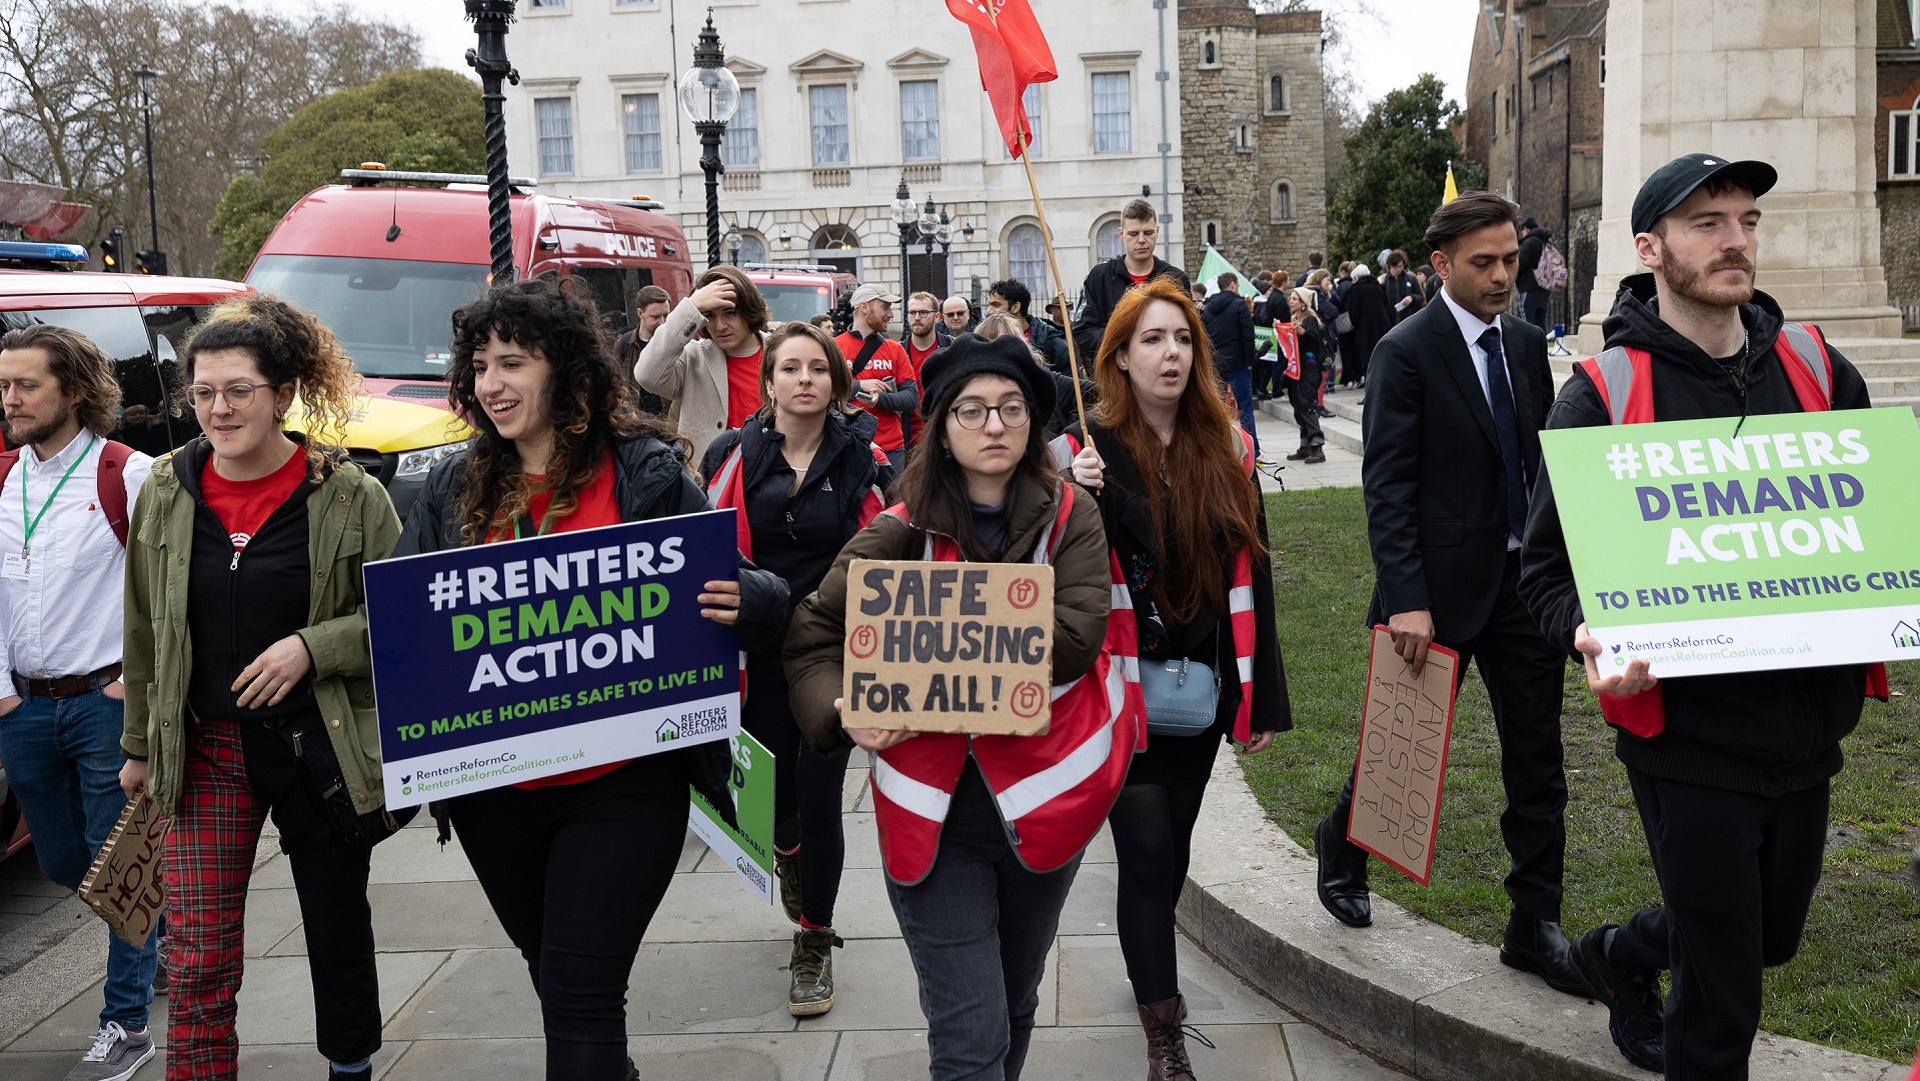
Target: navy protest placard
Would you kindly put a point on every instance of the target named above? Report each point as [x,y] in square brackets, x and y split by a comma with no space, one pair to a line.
[503,663]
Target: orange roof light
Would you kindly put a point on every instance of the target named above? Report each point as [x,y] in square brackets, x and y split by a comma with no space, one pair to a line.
[381,165]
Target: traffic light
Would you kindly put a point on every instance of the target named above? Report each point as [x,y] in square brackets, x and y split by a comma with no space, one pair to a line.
[113,249]
[150,262]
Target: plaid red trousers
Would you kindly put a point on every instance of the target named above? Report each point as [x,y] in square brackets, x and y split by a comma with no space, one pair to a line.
[209,861]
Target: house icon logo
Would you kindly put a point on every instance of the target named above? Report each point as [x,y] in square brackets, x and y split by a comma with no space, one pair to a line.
[1906,635]
[667,732]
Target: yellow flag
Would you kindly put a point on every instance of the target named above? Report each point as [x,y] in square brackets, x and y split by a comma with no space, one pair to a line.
[1453,190]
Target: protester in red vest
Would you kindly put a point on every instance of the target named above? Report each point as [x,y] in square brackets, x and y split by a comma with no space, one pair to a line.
[1183,514]
[804,475]
[560,447]
[978,859]
[1730,772]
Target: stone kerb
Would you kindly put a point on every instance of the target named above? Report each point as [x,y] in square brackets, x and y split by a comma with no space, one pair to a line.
[1410,992]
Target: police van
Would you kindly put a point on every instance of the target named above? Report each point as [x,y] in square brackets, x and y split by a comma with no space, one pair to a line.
[385,257]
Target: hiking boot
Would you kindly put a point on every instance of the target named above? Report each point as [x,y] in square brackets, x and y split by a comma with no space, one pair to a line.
[1299,454]
[1318,456]
[1165,1022]
[787,870]
[1634,1012]
[114,1056]
[812,969]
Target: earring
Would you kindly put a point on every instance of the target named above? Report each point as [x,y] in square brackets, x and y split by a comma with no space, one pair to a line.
[949,456]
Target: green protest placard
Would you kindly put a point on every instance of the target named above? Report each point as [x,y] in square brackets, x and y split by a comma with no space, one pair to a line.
[1782,541]
[748,849]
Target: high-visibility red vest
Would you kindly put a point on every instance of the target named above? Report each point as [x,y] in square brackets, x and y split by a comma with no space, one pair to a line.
[1239,599]
[728,489]
[1052,790]
[1623,376]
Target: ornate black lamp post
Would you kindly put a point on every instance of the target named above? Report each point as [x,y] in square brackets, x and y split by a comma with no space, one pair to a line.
[146,75]
[906,218]
[709,94]
[490,19]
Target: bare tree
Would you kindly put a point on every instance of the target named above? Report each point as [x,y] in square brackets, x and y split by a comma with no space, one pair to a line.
[70,105]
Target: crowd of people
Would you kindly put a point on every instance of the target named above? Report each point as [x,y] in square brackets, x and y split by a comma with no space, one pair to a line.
[222,586]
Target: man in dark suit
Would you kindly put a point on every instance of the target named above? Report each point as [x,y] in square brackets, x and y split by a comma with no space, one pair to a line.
[1456,397]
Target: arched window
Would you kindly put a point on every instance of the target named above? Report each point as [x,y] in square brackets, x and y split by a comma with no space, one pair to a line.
[1211,232]
[1208,54]
[1243,137]
[1106,240]
[753,249]
[1282,202]
[837,246]
[1276,93]
[1027,259]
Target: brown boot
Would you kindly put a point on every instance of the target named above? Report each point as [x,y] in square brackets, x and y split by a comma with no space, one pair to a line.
[1166,1039]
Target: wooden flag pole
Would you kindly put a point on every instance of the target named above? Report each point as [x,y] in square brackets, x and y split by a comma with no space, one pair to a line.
[1053,261]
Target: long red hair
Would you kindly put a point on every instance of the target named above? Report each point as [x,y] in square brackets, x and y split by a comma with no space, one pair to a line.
[1196,485]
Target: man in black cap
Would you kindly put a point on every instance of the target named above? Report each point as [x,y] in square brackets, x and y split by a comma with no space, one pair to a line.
[1730,772]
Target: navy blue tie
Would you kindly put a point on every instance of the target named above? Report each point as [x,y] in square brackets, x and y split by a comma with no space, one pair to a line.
[1506,426]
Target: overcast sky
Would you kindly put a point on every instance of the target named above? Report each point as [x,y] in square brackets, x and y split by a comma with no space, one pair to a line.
[1411,37]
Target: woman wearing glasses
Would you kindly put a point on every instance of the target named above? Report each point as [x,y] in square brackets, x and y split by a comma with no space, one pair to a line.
[1183,515]
[246,650]
[976,874]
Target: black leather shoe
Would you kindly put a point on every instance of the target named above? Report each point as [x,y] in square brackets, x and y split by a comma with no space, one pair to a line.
[1299,454]
[1540,947]
[1634,1013]
[1343,875]
[1318,456]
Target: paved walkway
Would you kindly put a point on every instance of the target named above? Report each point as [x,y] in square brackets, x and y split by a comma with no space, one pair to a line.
[709,988]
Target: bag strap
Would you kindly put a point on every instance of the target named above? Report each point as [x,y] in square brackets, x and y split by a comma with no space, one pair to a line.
[112,483]
[867,350]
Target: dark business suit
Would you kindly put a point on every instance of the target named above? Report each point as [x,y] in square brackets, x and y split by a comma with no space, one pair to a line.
[1437,520]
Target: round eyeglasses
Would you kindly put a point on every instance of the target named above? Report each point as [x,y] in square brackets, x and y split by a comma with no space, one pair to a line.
[237,394]
[973,415]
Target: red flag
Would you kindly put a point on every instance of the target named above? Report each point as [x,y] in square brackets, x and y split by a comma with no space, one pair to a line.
[1013,53]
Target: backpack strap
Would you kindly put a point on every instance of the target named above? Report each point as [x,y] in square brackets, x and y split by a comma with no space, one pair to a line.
[112,482]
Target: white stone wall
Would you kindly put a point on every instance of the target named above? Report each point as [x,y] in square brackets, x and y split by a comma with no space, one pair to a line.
[1790,82]
[593,51]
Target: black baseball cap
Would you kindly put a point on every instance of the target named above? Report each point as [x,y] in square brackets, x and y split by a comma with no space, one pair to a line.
[1670,184]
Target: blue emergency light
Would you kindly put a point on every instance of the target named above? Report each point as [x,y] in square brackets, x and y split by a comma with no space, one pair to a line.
[56,253]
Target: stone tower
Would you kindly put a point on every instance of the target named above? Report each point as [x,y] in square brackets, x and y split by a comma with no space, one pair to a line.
[1252,133]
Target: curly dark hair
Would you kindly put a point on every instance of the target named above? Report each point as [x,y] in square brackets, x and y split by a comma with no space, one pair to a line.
[288,346]
[587,401]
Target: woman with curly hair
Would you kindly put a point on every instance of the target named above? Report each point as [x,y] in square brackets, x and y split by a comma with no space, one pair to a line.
[252,536]
[1182,512]
[560,447]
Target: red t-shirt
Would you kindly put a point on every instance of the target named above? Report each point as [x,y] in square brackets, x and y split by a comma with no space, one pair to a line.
[593,508]
[243,506]
[1140,279]
[743,387]
[890,361]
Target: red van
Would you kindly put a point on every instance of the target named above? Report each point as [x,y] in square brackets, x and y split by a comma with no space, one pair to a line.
[384,261]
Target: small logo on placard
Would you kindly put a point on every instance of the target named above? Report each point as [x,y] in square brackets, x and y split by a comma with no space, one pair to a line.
[1023,592]
[1906,635]
[1026,698]
[863,642]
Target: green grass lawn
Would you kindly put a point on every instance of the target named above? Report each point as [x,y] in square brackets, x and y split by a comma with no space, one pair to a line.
[1856,981]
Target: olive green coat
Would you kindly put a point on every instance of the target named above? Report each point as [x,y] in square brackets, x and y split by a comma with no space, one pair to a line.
[350,520]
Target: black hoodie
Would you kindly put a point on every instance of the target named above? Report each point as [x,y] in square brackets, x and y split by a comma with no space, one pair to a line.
[1766,733]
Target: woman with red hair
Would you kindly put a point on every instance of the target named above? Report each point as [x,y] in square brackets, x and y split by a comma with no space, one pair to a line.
[1183,515]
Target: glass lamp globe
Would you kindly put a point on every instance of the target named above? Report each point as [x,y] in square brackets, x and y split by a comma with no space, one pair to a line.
[709,95]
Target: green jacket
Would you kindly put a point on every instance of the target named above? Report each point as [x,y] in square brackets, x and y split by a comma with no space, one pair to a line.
[350,521]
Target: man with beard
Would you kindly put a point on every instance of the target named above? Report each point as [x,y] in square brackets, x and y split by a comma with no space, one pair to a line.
[1729,772]
[1458,393]
[69,488]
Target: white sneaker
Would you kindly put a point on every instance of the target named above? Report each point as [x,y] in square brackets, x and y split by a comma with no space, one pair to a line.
[114,1056]
[1264,459]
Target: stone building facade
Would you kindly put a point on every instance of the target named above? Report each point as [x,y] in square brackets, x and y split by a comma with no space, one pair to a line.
[1536,94]
[1252,121]
[1897,116]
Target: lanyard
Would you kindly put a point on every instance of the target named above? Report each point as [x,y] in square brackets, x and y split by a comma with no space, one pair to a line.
[33,523]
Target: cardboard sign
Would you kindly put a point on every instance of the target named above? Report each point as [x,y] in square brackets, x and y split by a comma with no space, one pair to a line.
[749,849]
[1790,540]
[949,647]
[124,884]
[508,662]
[1403,756]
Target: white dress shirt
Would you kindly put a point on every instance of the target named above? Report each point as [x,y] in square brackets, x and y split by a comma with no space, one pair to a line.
[64,619]
[1471,328]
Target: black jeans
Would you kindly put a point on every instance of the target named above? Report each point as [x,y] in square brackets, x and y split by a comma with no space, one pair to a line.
[1534,306]
[1524,676]
[1737,873]
[575,873]
[978,928]
[807,788]
[1153,841]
